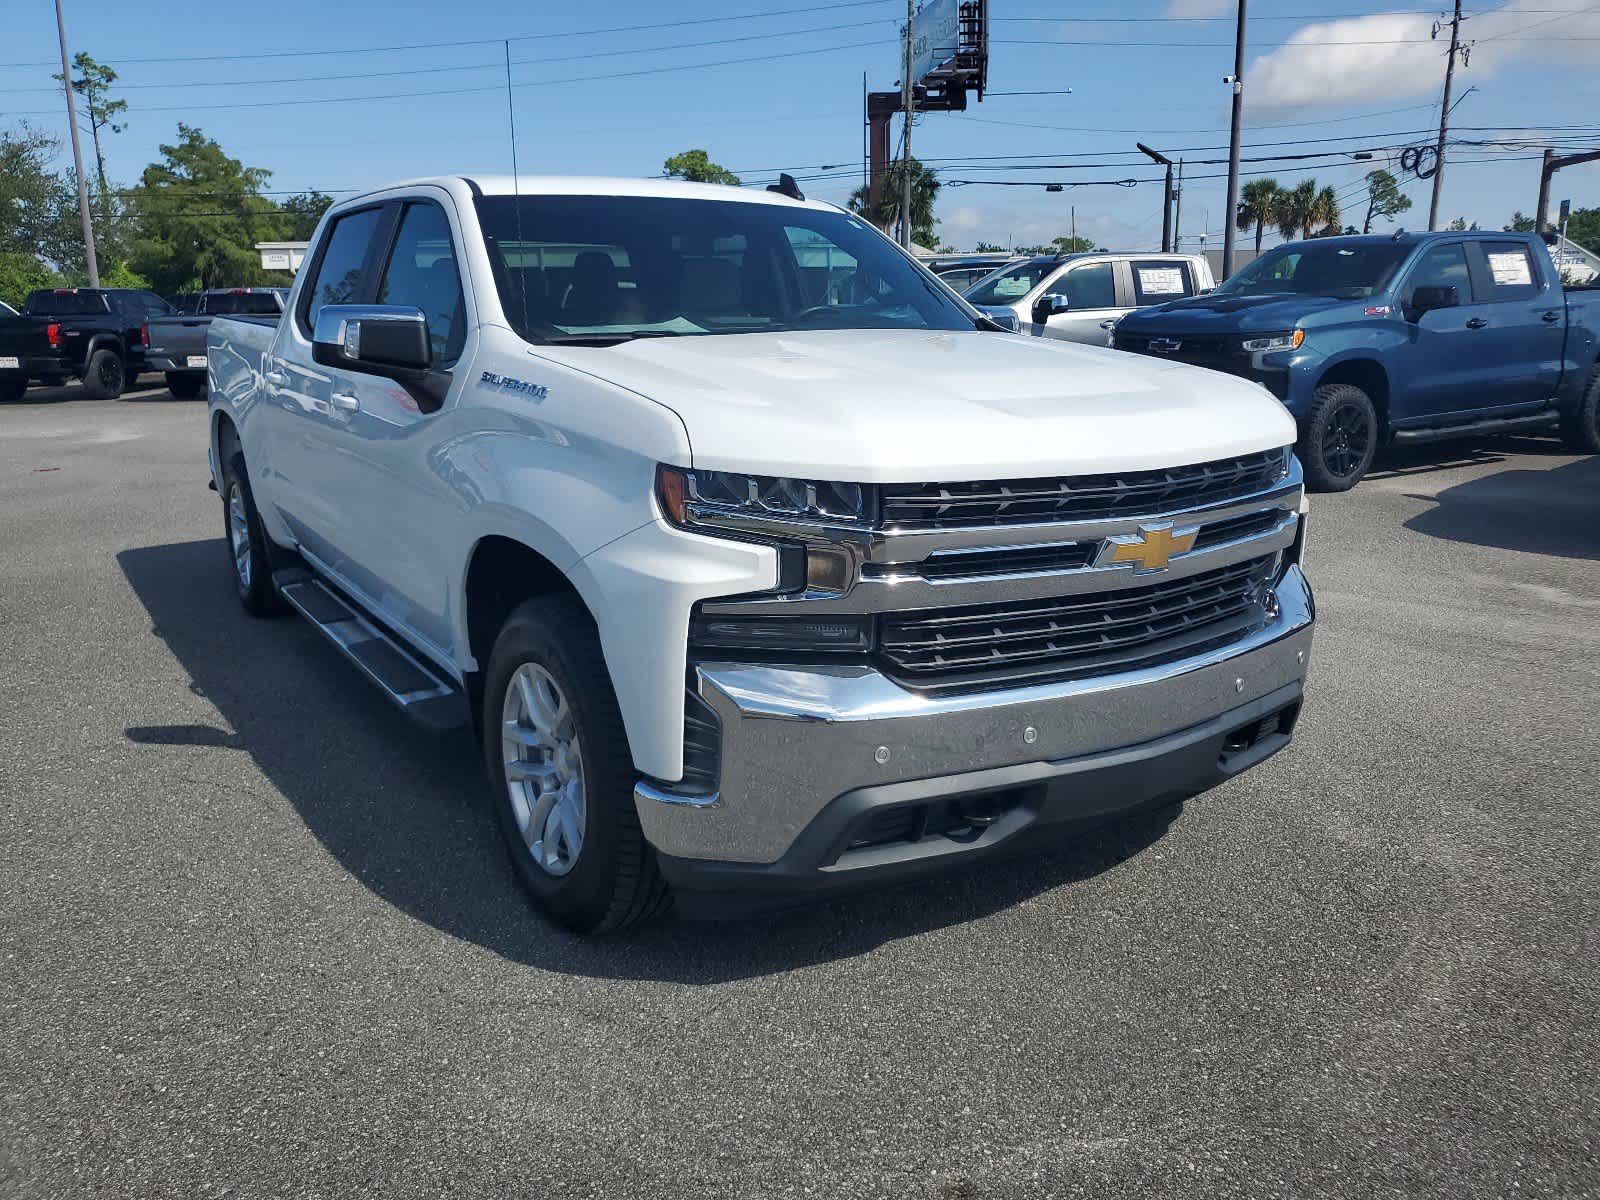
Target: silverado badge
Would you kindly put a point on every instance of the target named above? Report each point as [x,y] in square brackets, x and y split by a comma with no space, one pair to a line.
[1148,550]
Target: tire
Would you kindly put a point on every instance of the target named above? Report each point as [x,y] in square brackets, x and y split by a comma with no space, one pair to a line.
[12,389]
[548,649]
[106,376]
[184,386]
[250,554]
[1580,428]
[1340,438]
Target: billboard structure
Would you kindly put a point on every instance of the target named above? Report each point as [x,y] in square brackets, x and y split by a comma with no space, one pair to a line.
[949,60]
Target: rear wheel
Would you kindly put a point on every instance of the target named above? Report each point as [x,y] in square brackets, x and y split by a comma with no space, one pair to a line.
[183,386]
[249,552]
[561,774]
[1340,438]
[12,389]
[105,377]
[1580,428]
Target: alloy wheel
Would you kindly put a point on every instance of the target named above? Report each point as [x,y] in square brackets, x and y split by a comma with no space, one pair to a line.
[544,768]
[1345,439]
[239,534]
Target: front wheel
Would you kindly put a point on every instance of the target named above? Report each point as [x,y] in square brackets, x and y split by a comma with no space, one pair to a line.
[561,774]
[1580,428]
[1340,438]
[185,387]
[105,377]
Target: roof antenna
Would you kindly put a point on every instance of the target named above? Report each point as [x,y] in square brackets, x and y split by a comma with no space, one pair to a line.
[516,192]
[786,186]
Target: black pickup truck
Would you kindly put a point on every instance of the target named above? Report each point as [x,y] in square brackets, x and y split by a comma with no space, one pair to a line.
[97,335]
[177,343]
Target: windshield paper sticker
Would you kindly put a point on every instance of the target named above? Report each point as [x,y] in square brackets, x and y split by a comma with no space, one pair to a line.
[1510,268]
[1161,281]
[536,391]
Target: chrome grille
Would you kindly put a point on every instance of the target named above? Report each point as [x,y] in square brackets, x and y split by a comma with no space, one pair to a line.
[1082,498]
[1100,633]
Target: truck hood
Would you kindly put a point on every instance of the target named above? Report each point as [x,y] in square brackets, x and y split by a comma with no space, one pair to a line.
[1216,313]
[888,406]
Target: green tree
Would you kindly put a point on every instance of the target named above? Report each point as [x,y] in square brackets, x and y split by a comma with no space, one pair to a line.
[886,214]
[1306,209]
[1258,207]
[1070,245]
[20,274]
[1384,198]
[990,248]
[200,214]
[1519,223]
[697,167]
[304,211]
[1583,227]
[38,205]
[1459,225]
[93,82]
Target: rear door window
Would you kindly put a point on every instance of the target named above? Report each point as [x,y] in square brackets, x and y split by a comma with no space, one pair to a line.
[1508,271]
[1156,282]
[340,266]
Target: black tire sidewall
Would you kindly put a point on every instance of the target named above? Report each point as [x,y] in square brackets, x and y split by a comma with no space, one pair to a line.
[556,633]
[12,389]
[1582,432]
[260,599]
[184,387]
[92,384]
[1329,399]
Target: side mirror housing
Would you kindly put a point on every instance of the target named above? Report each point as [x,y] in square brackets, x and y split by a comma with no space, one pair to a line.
[387,340]
[1049,305]
[1426,299]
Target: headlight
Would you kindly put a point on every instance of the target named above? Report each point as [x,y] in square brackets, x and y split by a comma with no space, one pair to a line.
[1277,341]
[690,497]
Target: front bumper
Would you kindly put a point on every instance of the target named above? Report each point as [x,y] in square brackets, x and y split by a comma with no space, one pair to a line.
[811,756]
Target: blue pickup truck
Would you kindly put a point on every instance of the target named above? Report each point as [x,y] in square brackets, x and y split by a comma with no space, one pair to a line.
[1409,338]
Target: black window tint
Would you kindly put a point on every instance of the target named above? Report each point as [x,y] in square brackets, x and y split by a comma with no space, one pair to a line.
[422,274]
[64,304]
[256,304]
[339,271]
[1088,286]
[1156,282]
[1443,266]
[1512,274]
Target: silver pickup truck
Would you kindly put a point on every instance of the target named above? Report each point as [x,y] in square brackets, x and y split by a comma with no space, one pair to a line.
[178,344]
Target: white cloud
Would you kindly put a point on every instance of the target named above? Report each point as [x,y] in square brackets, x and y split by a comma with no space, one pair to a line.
[1384,56]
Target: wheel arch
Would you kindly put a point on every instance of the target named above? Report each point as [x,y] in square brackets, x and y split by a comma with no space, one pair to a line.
[1371,377]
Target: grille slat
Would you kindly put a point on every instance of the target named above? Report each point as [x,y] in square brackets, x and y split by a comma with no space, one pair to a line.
[1085,498]
[1075,636]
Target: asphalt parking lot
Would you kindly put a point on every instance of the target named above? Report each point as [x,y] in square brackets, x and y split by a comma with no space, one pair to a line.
[260,939]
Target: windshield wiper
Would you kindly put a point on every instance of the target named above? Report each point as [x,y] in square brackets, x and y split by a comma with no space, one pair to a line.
[607,339]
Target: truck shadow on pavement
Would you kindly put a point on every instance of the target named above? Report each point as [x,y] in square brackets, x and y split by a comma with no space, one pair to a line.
[1554,512]
[407,813]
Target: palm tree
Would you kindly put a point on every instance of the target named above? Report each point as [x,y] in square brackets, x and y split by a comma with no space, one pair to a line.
[1258,206]
[1325,210]
[886,214]
[1306,208]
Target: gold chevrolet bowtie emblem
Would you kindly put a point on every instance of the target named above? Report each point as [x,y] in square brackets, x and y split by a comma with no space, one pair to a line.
[1151,549]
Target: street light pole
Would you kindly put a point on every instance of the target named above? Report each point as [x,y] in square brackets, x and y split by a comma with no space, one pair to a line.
[907,95]
[1233,147]
[1166,194]
[77,153]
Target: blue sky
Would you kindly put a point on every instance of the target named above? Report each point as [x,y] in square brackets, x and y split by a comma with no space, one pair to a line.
[799,107]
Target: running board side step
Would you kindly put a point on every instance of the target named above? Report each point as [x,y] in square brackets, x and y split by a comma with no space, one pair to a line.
[1439,433]
[413,686]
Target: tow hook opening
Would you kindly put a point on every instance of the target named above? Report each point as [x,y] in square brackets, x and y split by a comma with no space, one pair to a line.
[1256,735]
[958,819]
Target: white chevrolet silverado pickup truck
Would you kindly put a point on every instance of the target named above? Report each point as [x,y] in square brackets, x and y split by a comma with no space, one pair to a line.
[762,565]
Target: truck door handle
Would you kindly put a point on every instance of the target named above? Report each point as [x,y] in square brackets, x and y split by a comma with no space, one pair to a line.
[1550,318]
[345,402]
[276,379]
[1476,323]
[1107,324]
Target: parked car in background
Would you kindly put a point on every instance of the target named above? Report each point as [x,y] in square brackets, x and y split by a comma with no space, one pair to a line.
[755,564]
[97,335]
[184,302]
[961,271]
[1404,338]
[1078,297]
[178,343]
[6,310]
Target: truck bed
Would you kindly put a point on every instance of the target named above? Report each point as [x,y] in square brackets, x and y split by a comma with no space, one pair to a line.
[235,350]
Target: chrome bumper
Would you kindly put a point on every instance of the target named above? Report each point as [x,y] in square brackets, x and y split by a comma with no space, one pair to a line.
[794,739]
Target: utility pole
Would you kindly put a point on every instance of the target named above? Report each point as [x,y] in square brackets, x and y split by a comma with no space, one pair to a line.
[1237,80]
[908,91]
[1444,116]
[1177,211]
[1166,194]
[77,153]
[1553,163]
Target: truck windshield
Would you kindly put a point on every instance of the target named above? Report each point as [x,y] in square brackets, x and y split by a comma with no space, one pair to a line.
[258,304]
[46,303]
[571,267]
[1338,270]
[1010,285]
